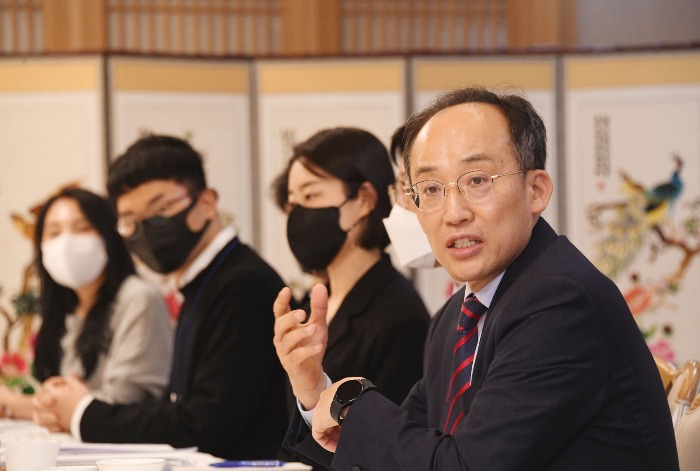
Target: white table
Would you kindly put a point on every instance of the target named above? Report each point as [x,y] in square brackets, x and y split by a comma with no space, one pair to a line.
[74,452]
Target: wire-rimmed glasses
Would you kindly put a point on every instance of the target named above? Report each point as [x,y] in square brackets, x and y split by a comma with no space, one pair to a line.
[475,186]
[130,226]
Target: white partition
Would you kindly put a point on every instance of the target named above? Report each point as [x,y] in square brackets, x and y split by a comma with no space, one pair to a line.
[51,132]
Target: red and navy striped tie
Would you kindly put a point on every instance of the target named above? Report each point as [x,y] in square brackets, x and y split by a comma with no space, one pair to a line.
[465,349]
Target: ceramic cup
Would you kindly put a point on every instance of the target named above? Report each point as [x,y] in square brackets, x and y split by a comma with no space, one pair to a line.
[69,468]
[30,455]
[131,464]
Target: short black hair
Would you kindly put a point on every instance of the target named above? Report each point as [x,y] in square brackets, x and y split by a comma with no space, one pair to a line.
[527,132]
[156,157]
[396,146]
[354,156]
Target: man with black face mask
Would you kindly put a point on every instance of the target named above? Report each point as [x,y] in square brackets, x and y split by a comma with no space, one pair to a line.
[170,221]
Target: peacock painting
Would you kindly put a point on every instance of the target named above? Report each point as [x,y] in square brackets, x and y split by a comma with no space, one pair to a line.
[626,224]
[645,222]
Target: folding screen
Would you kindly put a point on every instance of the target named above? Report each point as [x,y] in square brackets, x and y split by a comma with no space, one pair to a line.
[51,126]
[633,185]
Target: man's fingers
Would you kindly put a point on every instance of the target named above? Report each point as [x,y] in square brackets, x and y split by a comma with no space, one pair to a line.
[288,323]
[301,354]
[319,304]
[293,339]
[281,305]
[328,439]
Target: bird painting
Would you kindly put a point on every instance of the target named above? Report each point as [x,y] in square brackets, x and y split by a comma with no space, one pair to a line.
[659,200]
[626,224]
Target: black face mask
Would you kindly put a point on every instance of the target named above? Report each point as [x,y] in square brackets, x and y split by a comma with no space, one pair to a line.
[315,236]
[164,243]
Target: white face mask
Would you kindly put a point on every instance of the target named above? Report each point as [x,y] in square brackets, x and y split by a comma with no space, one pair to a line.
[408,239]
[74,260]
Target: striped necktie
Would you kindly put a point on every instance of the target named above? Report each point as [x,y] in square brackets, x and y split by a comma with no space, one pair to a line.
[464,351]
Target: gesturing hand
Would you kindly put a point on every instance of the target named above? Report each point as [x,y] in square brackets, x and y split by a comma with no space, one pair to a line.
[300,346]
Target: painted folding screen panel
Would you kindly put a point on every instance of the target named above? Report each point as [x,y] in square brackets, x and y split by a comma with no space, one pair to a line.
[299,98]
[532,77]
[633,185]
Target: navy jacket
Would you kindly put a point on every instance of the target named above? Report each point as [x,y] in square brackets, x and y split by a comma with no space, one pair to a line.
[563,380]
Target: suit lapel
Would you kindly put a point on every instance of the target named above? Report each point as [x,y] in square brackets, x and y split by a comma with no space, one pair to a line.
[356,302]
[542,237]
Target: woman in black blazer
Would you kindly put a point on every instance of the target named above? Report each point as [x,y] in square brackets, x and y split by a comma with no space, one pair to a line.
[337,185]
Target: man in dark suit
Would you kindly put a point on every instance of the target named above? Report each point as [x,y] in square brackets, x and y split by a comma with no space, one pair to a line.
[170,221]
[562,378]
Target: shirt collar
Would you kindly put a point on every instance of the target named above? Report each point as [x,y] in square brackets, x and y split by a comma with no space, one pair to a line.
[485,294]
[207,255]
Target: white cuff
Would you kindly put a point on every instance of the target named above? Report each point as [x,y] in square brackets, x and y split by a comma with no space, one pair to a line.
[78,415]
[308,415]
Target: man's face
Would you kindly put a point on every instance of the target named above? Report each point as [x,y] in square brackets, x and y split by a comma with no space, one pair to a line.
[168,246]
[475,242]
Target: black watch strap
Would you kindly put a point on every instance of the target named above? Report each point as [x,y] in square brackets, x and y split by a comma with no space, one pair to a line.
[346,394]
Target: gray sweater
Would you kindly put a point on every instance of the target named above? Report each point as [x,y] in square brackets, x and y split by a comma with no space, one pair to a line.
[137,363]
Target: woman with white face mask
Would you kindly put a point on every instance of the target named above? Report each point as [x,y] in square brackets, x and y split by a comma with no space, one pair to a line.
[100,322]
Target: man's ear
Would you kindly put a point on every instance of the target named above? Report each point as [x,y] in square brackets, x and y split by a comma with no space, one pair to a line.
[541,187]
[207,209]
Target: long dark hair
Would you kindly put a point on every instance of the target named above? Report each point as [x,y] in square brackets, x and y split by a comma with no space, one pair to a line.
[58,301]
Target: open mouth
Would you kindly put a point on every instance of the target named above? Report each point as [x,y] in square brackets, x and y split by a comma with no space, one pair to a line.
[464,243]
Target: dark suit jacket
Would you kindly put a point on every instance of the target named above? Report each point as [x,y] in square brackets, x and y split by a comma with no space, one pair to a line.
[231,381]
[563,380]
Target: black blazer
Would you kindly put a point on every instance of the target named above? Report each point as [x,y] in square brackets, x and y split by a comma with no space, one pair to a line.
[379,332]
[563,380]
[225,367]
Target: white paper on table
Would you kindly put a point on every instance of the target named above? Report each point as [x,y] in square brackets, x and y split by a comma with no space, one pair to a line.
[85,453]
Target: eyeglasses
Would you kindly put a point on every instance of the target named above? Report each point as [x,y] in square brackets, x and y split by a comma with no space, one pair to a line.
[130,227]
[475,186]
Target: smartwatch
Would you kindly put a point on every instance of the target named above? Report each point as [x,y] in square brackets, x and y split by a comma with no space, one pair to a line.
[346,394]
